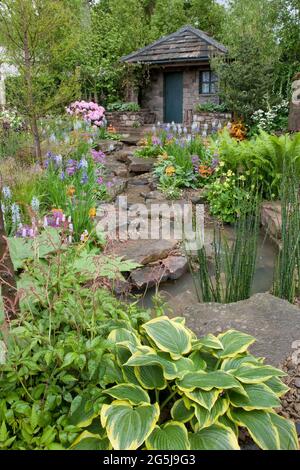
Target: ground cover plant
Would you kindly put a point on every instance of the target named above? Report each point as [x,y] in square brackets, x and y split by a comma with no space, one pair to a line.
[177,392]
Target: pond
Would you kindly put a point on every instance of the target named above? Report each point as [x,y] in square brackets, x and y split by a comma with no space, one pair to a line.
[182,293]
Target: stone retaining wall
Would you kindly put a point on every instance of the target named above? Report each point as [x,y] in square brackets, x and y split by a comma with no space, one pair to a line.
[131,118]
[211,118]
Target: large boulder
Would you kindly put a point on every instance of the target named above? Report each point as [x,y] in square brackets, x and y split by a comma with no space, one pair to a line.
[275,323]
[144,251]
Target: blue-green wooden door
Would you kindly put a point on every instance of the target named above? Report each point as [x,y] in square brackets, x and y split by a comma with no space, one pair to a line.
[173,97]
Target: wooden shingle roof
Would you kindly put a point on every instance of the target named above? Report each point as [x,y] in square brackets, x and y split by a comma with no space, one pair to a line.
[188,44]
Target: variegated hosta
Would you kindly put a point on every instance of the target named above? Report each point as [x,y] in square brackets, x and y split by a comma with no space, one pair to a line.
[169,390]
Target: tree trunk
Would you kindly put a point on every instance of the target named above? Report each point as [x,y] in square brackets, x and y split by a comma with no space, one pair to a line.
[30,100]
[7,276]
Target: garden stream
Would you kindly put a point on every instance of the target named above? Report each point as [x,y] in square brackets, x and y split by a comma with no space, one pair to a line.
[182,293]
[134,176]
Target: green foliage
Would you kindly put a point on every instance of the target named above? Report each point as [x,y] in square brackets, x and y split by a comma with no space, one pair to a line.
[119,106]
[210,108]
[227,196]
[234,262]
[56,354]
[261,159]
[247,79]
[287,273]
[177,392]
[149,151]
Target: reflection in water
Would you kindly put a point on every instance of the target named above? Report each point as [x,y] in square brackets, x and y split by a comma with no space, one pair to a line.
[181,293]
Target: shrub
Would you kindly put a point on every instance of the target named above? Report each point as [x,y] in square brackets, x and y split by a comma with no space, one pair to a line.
[55,350]
[211,108]
[169,390]
[126,107]
[272,120]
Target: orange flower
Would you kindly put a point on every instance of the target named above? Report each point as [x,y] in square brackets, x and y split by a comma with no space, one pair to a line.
[57,210]
[170,171]
[92,212]
[111,129]
[143,143]
[71,191]
[205,171]
[164,156]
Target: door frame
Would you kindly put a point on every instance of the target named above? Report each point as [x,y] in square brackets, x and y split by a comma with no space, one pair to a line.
[164,90]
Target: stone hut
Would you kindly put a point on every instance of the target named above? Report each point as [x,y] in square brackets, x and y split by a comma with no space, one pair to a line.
[180,74]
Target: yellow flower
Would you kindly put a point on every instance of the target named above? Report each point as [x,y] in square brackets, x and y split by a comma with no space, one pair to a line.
[71,191]
[221,164]
[242,178]
[230,173]
[170,170]
[92,212]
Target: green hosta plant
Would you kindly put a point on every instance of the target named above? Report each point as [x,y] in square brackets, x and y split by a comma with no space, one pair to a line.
[174,391]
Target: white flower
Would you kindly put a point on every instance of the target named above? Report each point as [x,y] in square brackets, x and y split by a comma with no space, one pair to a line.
[6,192]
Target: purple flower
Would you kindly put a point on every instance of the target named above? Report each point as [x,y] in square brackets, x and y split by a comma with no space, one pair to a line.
[109,184]
[98,156]
[84,178]
[156,140]
[100,180]
[71,167]
[27,231]
[214,163]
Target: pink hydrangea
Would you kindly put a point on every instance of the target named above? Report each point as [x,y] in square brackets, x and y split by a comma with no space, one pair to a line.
[91,112]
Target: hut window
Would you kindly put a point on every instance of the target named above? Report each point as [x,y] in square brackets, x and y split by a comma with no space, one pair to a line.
[208,82]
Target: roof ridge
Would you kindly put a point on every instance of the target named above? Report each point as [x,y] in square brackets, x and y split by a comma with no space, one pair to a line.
[188,27]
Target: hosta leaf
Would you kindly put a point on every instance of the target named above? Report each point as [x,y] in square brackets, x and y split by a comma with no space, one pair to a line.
[277,386]
[228,423]
[121,335]
[259,425]
[208,381]
[128,427]
[205,399]
[89,441]
[169,336]
[216,437]
[180,412]
[198,361]
[207,418]
[287,432]
[210,342]
[259,397]
[251,374]
[234,342]
[145,356]
[132,393]
[171,436]
[150,377]
[233,363]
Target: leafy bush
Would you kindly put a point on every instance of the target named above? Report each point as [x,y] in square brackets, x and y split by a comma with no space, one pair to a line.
[173,391]
[55,350]
[272,120]
[226,196]
[262,159]
[126,107]
[211,108]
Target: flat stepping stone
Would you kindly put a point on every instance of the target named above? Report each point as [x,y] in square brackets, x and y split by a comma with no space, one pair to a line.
[140,165]
[144,251]
[275,323]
